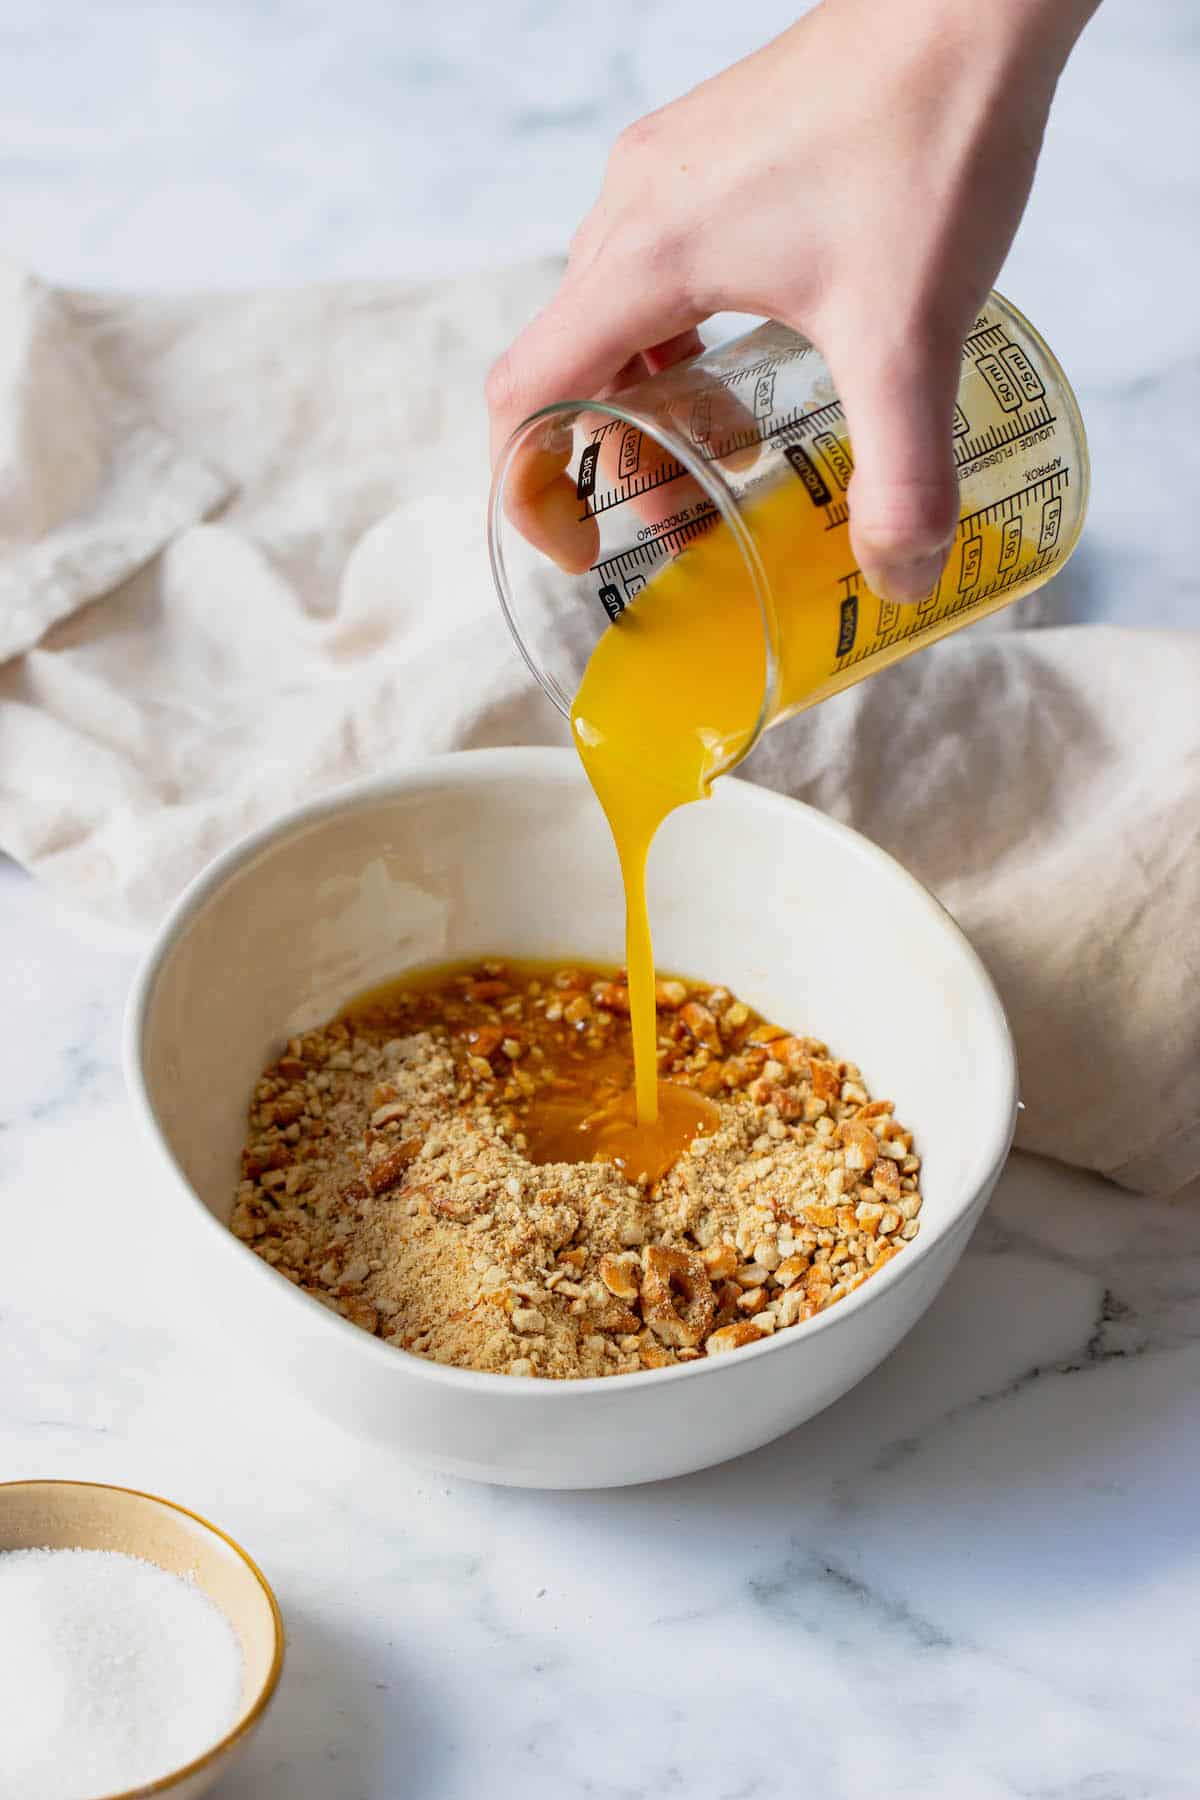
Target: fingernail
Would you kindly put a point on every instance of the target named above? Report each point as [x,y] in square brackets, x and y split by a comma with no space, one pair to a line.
[906,582]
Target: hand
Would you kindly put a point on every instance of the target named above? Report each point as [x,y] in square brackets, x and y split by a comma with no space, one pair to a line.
[860,179]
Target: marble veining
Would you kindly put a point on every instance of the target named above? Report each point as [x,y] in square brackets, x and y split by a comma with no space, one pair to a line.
[978,1576]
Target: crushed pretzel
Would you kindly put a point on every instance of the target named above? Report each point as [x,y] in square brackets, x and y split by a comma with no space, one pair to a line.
[386,1174]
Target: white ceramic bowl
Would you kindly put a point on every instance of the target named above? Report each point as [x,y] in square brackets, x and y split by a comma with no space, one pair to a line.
[506,851]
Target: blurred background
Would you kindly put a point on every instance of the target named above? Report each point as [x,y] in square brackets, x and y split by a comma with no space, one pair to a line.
[229,143]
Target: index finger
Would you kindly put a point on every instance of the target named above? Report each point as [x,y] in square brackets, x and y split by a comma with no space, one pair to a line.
[577,349]
[579,345]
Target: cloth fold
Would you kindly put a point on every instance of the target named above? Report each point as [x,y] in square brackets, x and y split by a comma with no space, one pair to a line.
[90,486]
[322,608]
[1045,785]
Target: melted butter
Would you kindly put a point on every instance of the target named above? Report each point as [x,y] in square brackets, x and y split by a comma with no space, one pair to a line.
[669,699]
[581,1131]
[586,1112]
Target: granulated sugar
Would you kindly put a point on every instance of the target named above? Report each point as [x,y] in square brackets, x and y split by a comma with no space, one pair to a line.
[113,1673]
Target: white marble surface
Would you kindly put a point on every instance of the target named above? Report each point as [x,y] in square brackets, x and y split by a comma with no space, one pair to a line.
[979,1575]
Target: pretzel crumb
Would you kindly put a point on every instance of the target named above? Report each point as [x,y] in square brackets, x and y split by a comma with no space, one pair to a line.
[386,1173]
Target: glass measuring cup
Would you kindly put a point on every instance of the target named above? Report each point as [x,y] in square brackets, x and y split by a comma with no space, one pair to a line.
[733,466]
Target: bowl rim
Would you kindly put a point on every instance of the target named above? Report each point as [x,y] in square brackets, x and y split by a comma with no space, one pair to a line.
[162,1784]
[502,766]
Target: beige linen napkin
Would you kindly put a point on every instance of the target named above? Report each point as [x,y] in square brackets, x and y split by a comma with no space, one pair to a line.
[1046,785]
[337,616]
[90,487]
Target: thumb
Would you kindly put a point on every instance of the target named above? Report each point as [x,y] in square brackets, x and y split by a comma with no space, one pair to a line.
[904,498]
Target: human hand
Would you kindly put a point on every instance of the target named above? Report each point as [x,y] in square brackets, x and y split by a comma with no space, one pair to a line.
[859,179]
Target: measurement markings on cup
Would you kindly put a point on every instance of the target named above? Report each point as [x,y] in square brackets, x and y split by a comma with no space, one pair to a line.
[972,562]
[632,482]
[1010,544]
[901,624]
[784,429]
[627,572]
[1010,429]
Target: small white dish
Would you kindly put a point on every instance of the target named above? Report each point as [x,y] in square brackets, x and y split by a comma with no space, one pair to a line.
[90,1515]
[506,852]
